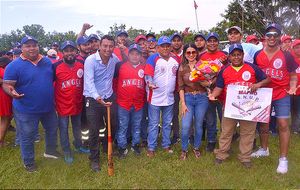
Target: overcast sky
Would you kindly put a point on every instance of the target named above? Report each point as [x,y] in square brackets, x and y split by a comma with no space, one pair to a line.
[66,15]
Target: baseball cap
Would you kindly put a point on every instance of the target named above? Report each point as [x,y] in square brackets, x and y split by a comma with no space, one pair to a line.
[163,40]
[68,43]
[28,38]
[122,32]
[296,42]
[82,40]
[135,47]
[139,37]
[10,52]
[95,36]
[150,35]
[251,37]
[212,34]
[274,26]
[199,35]
[51,53]
[285,37]
[176,35]
[234,47]
[235,28]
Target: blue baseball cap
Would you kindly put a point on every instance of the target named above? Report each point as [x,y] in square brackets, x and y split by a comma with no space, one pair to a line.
[28,38]
[95,36]
[68,43]
[163,40]
[274,26]
[176,35]
[199,35]
[55,44]
[234,47]
[212,35]
[135,47]
[122,32]
[82,40]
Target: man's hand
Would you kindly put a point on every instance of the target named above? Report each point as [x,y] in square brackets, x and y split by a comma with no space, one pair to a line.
[106,104]
[254,87]
[211,97]
[292,90]
[86,26]
[13,93]
[152,86]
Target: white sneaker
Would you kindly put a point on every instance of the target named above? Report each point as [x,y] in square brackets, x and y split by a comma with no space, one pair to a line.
[260,153]
[282,166]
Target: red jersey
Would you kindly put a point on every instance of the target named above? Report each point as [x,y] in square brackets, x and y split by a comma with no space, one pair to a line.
[220,56]
[5,100]
[117,52]
[297,59]
[130,85]
[278,68]
[68,88]
[248,74]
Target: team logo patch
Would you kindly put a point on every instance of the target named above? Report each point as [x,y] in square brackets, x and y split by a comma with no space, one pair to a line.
[80,73]
[277,63]
[174,70]
[246,75]
[141,73]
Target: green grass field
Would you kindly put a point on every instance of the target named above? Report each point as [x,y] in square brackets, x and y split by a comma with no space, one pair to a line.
[163,172]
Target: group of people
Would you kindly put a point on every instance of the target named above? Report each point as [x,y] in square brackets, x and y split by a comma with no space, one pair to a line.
[144,83]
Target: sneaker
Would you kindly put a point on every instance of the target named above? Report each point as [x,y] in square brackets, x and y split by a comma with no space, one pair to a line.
[136,150]
[54,155]
[282,166]
[122,152]
[260,153]
[82,150]
[210,146]
[95,166]
[150,153]
[30,168]
[168,150]
[68,158]
[247,164]
[37,140]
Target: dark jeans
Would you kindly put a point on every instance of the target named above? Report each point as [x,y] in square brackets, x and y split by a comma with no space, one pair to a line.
[211,120]
[175,120]
[64,131]
[97,119]
[27,125]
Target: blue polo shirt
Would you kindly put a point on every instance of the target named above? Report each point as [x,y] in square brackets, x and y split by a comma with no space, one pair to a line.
[35,82]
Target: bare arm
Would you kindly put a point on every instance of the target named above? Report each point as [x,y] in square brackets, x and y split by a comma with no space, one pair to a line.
[293,83]
[260,84]
[184,108]
[215,93]
[84,28]
[9,88]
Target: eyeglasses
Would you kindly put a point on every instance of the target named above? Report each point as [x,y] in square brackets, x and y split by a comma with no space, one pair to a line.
[191,53]
[270,34]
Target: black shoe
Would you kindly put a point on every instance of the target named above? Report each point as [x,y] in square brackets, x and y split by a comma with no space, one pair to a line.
[11,128]
[54,155]
[210,146]
[122,152]
[218,161]
[30,168]
[136,150]
[95,166]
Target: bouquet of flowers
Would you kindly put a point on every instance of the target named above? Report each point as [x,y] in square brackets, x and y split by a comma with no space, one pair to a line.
[205,70]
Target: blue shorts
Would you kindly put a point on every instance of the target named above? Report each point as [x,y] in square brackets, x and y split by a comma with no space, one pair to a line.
[282,107]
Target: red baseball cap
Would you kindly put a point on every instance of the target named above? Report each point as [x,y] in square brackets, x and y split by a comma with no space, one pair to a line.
[139,37]
[296,42]
[285,37]
[251,37]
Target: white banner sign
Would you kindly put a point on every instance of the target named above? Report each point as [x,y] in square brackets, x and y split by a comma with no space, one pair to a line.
[242,104]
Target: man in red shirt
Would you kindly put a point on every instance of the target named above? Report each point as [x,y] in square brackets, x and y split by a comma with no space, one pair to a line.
[121,50]
[68,98]
[280,67]
[131,98]
[213,53]
[237,72]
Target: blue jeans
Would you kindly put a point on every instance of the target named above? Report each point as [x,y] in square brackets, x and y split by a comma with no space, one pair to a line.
[17,138]
[144,123]
[135,117]
[27,125]
[154,120]
[63,126]
[197,106]
[211,120]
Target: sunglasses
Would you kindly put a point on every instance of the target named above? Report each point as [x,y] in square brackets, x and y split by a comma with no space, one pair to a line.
[270,34]
[191,53]
[151,40]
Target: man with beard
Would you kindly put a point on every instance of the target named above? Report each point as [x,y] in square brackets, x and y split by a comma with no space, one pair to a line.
[68,98]
[280,66]
[121,50]
[29,80]
[200,41]
[84,47]
[92,38]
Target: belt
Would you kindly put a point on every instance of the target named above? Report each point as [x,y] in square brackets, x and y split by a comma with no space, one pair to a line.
[195,92]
